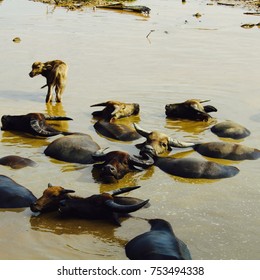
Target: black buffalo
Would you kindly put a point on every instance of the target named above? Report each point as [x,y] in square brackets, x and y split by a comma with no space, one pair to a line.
[77,148]
[14,195]
[32,123]
[195,168]
[105,206]
[226,150]
[191,109]
[229,129]
[116,164]
[160,243]
[116,131]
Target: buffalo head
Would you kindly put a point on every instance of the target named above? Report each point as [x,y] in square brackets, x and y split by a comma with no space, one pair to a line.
[50,199]
[158,143]
[116,110]
[117,164]
[33,123]
[191,109]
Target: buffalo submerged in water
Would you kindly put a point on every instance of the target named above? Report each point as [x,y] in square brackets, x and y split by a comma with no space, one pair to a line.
[106,206]
[191,109]
[114,165]
[116,110]
[160,243]
[226,150]
[14,195]
[32,123]
[76,148]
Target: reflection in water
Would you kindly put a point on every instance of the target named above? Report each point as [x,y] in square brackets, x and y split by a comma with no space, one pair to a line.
[21,139]
[255,118]
[193,127]
[56,109]
[52,222]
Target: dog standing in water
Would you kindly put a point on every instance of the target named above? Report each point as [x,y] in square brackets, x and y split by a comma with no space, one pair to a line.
[55,72]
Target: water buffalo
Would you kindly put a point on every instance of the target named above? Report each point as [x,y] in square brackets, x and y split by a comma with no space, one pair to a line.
[159,142]
[191,109]
[226,150]
[55,72]
[229,129]
[116,164]
[16,162]
[32,123]
[100,206]
[76,148]
[116,131]
[13,195]
[116,110]
[195,168]
[160,243]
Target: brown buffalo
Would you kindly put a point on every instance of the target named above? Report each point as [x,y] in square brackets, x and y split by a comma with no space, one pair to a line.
[32,123]
[191,109]
[116,110]
[100,206]
[16,162]
[116,164]
[55,72]
[158,142]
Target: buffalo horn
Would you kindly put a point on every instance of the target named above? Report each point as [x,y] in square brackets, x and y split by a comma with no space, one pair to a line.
[67,191]
[119,208]
[179,144]
[57,118]
[99,104]
[35,125]
[99,155]
[144,163]
[141,131]
[203,101]
[123,190]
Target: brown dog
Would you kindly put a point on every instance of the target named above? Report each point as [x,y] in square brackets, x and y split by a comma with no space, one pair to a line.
[55,72]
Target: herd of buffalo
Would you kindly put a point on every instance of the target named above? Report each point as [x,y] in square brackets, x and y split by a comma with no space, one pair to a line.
[160,242]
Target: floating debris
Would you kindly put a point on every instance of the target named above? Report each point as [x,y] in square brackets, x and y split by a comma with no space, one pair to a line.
[226,4]
[197,15]
[248,25]
[120,6]
[252,13]
[17,40]
[150,33]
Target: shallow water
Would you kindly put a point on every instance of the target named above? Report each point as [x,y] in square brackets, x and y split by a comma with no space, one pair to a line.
[110,58]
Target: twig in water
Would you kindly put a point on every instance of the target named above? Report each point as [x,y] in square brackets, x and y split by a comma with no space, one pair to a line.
[149,33]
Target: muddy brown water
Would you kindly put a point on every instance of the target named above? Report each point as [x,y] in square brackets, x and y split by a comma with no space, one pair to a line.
[110,58]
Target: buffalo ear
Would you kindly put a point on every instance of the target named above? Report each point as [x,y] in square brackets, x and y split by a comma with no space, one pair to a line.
[210,108]
[47,67]
[140,145]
